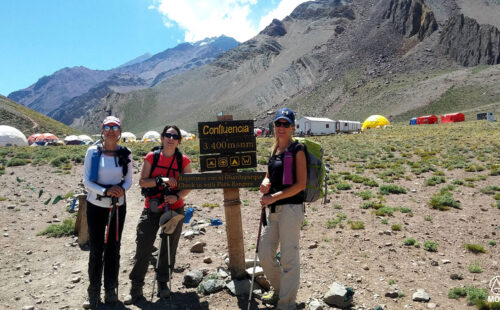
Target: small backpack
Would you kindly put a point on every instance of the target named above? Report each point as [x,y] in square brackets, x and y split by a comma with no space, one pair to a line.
[315,170]
[151,191]
[122,154]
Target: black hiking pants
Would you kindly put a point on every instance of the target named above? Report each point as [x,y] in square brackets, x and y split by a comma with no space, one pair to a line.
[97,219]
[147,228]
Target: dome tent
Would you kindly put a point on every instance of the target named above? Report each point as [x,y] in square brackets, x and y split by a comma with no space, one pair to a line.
[128,137]
[72,140]
[10,136]
[375,121]
[151,136]
[85,139]
[32,138]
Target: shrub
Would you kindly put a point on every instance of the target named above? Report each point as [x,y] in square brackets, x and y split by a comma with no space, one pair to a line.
[60,161]
[444,201]
[370,183]
[368,205]
[210,205]
[67,228]
[492,243]
[343,186]
[384,211]
[428,218]
[430,246]
[384,221]
[458,182]
[432,181]
[365,195]
[475,268]
[304,224]
[490,190]
[337,221]
[17,162]
[497,196]
[410,241]
[357,225]
[474,295]
[391,189]
[475,248]
[405,210]
[396,227]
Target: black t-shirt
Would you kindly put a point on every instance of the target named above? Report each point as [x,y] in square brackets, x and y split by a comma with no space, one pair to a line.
[275,169]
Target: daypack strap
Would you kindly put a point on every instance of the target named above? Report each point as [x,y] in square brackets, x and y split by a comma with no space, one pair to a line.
[156,159]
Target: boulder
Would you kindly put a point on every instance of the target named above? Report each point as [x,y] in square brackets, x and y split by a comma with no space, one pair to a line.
[193,278]
[339,296]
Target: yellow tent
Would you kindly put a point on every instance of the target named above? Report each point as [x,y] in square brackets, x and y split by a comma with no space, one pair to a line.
[374,121]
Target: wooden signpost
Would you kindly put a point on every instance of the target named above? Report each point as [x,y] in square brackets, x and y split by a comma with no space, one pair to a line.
[227,145]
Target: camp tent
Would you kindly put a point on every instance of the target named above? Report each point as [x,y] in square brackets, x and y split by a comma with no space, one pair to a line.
[429,119]
[151,136]
[413,121]
[375,121]
[32,138]
[486,116]
[347,126]
[10,136]
[72,140]
[85,139]
[128,137]
[314,126]
[257,132]
[452,118]
[46,138]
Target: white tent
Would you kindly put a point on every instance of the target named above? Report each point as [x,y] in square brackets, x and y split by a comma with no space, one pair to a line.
[72,140]
[11,136]
[128,137]
[85,138]
[151,136]
[314,126]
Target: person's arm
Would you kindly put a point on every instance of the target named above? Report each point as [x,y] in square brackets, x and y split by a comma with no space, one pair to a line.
[89,185]
[182,193]
[297,187]
[145,180]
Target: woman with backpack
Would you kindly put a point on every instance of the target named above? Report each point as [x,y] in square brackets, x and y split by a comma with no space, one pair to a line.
[163,202]
[107,174]
[282,194]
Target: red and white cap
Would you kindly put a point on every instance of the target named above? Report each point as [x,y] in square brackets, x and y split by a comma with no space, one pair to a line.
[112,120]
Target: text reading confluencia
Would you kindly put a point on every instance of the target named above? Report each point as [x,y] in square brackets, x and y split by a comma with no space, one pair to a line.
[221,129]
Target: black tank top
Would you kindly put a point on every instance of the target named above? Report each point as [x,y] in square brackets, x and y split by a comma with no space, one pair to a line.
[275,169]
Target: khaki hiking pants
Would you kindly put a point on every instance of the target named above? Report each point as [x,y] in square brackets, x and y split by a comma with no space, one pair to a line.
[283,228]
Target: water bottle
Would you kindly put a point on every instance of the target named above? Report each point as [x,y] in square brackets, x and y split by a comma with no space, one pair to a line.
[287,168]
[94,166]
[188,215]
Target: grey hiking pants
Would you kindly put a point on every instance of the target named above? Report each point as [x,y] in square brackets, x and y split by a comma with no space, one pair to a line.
[147,228]
[283,229]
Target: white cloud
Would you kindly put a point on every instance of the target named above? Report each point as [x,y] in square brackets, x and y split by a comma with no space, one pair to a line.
[285,7]
[208,18]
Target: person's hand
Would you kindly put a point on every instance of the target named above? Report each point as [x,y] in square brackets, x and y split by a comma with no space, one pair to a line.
[266,200]
[170,181]
[265,187]
[171,199]
[115,191]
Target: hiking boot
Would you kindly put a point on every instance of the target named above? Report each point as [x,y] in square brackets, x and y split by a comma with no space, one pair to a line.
[110,296]
[271,298]
[163,290]
[135,295]
[93,299]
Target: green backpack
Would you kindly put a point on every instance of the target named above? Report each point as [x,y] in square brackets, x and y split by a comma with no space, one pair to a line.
[315,170]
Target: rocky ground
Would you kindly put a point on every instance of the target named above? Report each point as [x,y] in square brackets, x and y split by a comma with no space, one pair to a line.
[51,273]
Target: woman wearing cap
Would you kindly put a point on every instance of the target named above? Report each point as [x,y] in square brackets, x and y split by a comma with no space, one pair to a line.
[282,194]
[163,202]
[107,175]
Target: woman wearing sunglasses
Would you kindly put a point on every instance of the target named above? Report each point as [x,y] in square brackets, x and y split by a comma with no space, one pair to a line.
[107,175]
[163,200]
[282,194]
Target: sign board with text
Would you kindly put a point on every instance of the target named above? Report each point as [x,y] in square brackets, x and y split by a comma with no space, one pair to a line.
[228,161]
[222,129]
[228,144]
[219,180]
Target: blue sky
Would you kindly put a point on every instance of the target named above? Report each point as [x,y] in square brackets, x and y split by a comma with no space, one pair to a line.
[39,37]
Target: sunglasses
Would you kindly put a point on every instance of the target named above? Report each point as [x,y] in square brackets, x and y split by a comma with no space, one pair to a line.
[108,128]
[282,124]
[173,136]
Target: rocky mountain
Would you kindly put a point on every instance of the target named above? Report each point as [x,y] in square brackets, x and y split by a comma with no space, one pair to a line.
[62,94]
[29,121]
[334,58]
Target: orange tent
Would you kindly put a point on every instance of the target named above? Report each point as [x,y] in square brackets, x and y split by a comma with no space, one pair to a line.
[47,137]
[32,138]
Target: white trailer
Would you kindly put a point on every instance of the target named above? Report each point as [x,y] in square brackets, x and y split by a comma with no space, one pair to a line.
[307,125]
[347,126]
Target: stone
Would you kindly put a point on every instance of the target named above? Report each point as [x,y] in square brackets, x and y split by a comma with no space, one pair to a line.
[258,271]
[207,260]
[338,296]
[6,235]
[222,272]
[445,261]
[198,247]
[189,234]
[431,305]
[211,286]
[316,305]
[76,279]
[241,287]
[421,295]
[28,307]
[193,278]
[249,262]
[434,263]
[392,293]
[313,245]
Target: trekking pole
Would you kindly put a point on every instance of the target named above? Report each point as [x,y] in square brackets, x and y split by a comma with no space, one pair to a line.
[262,215]
[114,201]
[156,269]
